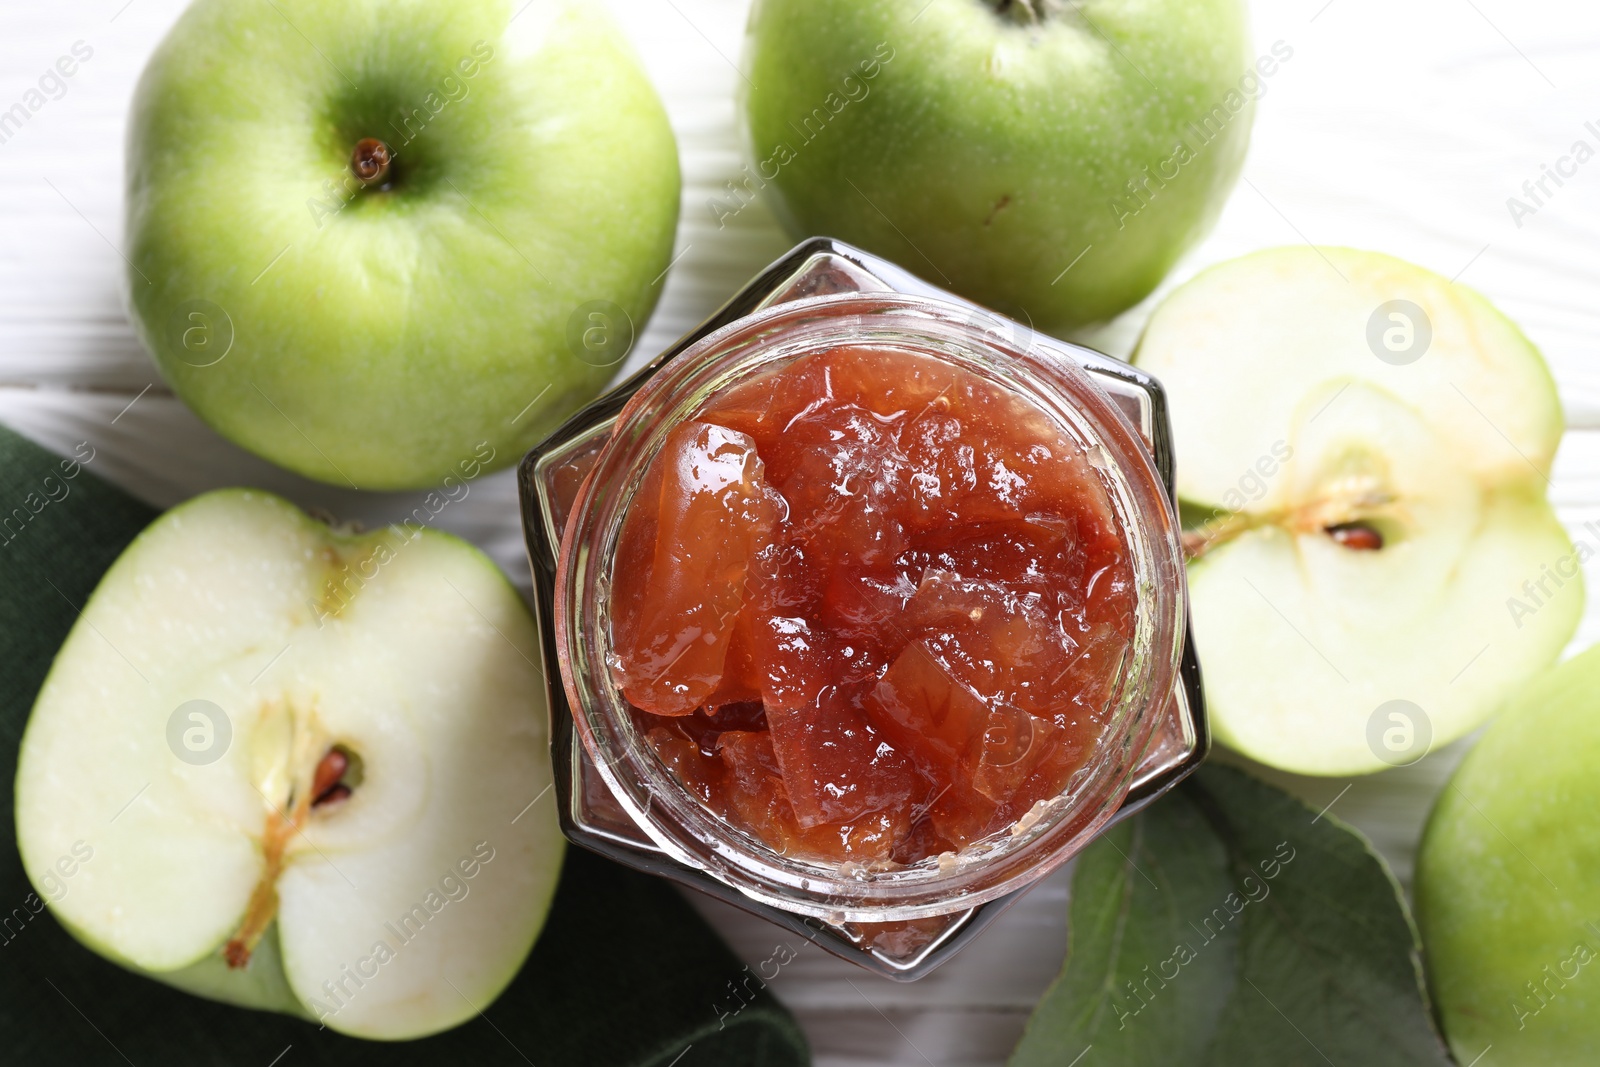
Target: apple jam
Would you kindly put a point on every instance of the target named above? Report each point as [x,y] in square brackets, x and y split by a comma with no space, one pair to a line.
[871,606]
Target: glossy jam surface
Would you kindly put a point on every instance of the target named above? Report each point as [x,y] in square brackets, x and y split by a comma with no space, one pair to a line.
[870,606]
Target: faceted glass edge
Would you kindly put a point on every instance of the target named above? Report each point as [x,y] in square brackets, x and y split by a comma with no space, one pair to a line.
[815,268]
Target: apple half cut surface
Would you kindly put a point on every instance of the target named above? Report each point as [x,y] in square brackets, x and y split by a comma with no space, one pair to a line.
[1363,451]
[291,768]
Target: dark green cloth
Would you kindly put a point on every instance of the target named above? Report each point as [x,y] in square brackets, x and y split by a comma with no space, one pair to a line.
[626,973]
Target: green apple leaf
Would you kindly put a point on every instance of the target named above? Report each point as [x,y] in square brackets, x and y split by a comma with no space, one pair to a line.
[1133,896]
[1230,925]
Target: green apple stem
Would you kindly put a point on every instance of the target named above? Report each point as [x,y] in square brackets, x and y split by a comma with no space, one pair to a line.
[326,787]
[370,161]
[1346,519]
[1219,531]
[263,906]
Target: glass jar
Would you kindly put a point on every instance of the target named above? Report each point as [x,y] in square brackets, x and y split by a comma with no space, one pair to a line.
[615,794]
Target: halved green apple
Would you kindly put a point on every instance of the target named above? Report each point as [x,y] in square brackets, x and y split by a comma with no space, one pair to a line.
[300,762]
[1365,447]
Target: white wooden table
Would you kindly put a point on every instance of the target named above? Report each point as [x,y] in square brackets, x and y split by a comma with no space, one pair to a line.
[1400,125]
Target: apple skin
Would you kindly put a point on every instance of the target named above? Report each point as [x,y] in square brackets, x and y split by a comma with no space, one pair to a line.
[375,337]
[264,985]
[1508,880]
[986,155]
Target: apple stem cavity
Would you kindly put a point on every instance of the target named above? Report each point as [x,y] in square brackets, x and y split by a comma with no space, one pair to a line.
[1027,12]
[370,161]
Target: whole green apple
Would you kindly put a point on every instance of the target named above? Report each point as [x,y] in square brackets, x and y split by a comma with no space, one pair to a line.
[1508,881]
[367,237]
[1049,159]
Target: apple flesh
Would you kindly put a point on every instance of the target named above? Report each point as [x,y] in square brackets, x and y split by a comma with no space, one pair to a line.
[1508,881]
[375,326]
[988,144]
[393,894]
[1371,505]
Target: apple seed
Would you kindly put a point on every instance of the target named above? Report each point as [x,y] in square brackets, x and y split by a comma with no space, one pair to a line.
[336,776]
[370,161]
[1357,536]
[329,771]
[339,792]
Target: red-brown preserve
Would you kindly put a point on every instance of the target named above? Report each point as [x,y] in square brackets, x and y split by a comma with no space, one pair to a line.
[871,606]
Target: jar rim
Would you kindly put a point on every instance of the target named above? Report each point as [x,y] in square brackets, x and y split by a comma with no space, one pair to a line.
[975,340]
